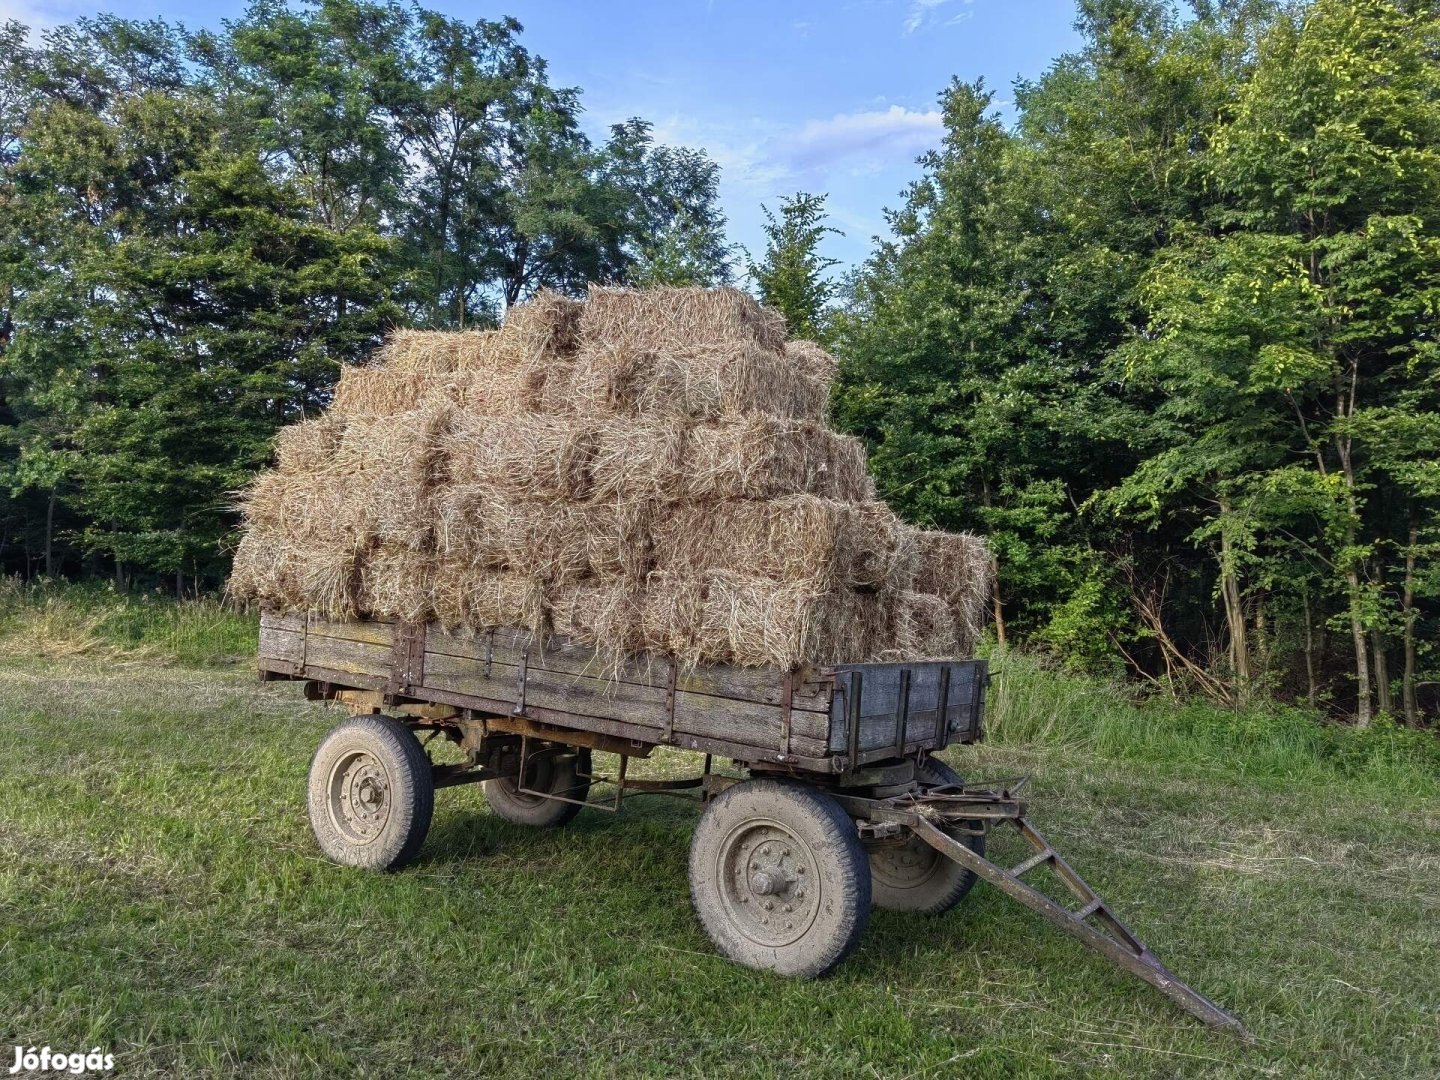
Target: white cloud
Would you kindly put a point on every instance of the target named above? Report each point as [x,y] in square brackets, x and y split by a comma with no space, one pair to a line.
[924,12]
[762,157]
[867,140]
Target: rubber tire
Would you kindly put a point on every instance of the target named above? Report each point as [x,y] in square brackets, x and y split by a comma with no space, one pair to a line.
[411,790]
[507,802]
[947,882]
[841,872]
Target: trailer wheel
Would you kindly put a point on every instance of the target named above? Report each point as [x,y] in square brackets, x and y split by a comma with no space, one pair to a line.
[371,794]
[778,877]
[916,878]
[559,770]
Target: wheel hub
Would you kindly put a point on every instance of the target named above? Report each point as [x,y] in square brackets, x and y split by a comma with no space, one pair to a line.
[768,883]
[359,801]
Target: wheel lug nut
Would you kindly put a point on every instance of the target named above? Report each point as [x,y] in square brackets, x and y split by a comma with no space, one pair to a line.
[769,905]
[789,908]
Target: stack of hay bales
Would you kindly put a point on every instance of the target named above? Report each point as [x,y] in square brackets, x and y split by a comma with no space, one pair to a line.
[645,472]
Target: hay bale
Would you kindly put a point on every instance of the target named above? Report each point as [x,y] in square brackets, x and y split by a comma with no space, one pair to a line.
[602,614]
[389,469]
[817,364]
[540,332]
[396,583]
[666,319]
[281,574]
[638,459]
[486,372]
[819,543]
[464,597]
[549,541]
[729,618]
[538,456]
[308,444]
[371,390]
[958,568]
[762,457]
[260,574]
[701,382]
[672,607]
[925,627]
[757,622]
[437,352]
[306,507]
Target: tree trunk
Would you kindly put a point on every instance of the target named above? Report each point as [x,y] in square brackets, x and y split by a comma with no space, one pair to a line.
[1310,693]
[1409,701]
[1383,697]
[999,611]
[1234,612]
[50,535]
[1363,713]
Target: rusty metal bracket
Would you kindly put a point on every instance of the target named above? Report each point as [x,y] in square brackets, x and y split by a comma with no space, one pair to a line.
[522,679]
[852,707]
[787,701]
[668,731]
[942,716]
[407,666]
[489,650]
[902,712]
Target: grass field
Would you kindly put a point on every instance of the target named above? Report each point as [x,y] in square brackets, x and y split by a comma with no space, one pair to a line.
[160,897]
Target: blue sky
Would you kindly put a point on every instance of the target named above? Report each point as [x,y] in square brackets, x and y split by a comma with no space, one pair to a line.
[827,97]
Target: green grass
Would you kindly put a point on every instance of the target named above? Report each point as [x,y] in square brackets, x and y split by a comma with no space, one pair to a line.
[58,619]
[160,896]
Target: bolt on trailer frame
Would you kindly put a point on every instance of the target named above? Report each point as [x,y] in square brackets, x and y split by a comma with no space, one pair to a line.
[841,754]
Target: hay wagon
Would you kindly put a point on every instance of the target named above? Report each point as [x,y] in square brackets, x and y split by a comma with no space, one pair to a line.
[841,803]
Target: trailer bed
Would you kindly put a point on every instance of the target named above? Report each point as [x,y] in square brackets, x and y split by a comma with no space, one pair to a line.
[826,720]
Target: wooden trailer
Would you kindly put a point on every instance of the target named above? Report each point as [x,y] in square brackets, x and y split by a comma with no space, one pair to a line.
[841,804]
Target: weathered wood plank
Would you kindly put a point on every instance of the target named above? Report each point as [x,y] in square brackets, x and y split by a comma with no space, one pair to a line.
[273,621]
[880,704]
[339,654]
[760,686]
[731,720]
[372,633]
[282,644]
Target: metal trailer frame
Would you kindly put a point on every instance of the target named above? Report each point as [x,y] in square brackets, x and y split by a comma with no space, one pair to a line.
[883,719]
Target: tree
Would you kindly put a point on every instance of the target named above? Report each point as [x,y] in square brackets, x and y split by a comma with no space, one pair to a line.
[792,276]
[1292,334]
[174,303]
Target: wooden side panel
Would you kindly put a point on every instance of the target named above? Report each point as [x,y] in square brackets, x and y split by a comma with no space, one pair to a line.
[880,704]
[287,646]
[366,633]
[343,655]
[745,684]
[728,710]
[702,715]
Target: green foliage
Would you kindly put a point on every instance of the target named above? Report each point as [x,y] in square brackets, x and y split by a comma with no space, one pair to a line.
[200,229]
[1174,323]
[792,277]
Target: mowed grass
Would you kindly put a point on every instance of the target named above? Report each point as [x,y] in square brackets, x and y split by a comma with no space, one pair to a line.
[160,896]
